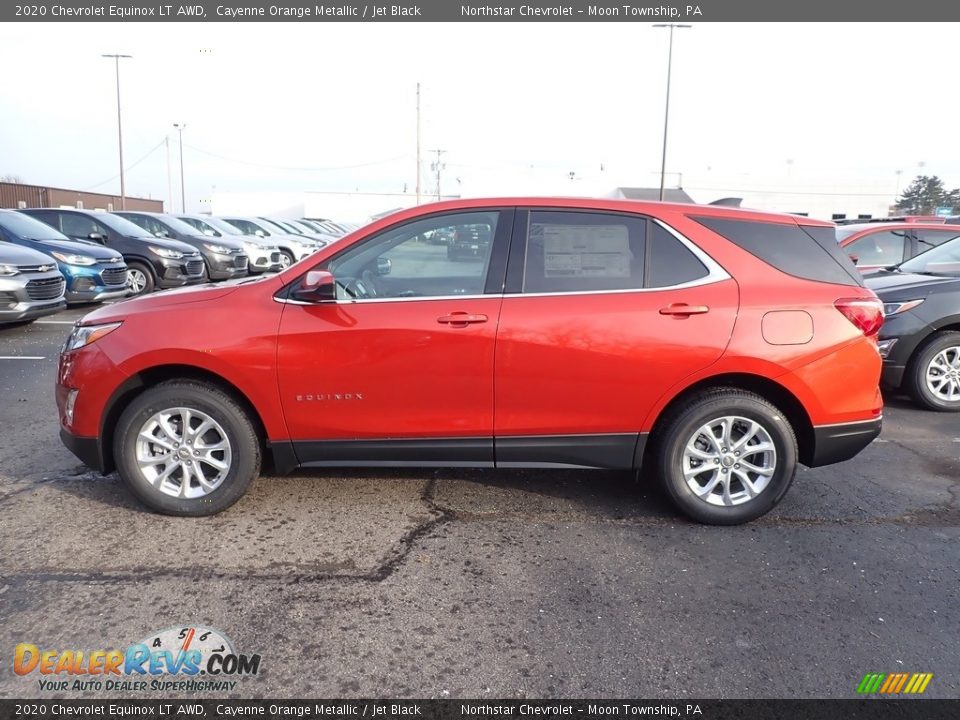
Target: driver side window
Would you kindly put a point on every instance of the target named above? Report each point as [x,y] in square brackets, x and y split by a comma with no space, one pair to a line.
[433,257]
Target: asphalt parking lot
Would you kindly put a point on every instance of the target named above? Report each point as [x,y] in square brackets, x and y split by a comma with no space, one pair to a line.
[455,583]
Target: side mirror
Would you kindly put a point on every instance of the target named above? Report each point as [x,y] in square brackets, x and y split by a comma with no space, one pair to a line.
[162,234]
[316,286]
[259,233]
[210,233]
[96,237]
[384,266]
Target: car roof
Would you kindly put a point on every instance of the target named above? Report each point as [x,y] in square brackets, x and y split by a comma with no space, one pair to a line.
[584,203]
[900,225]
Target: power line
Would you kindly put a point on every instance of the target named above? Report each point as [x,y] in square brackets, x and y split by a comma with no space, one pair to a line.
[128,168]
[297,169]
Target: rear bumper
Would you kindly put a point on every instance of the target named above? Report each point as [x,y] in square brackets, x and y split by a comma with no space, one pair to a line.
[87,449]
[836,443]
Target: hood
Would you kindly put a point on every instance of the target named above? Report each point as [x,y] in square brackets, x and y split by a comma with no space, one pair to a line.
[169,243]
[147,303]
[17,255]
[94,250]
[887,282]
[224,240]
[180,296]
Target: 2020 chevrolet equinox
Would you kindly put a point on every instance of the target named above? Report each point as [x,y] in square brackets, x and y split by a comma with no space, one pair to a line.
[716,348]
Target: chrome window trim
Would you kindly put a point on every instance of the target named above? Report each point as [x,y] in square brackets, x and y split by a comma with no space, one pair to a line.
[715,274]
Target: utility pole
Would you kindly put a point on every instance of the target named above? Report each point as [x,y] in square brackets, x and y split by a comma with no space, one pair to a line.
[437,167]
[123,186]
[666,110]
[183,193]
[418,143]
[166,141]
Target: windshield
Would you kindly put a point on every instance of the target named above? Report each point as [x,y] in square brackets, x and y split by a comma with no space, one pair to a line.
[28,227]
[177,225]
[277,226]
[122,226]
[949,252]
[221,225]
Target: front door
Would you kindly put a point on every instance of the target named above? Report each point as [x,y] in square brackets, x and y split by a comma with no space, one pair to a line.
[399,368]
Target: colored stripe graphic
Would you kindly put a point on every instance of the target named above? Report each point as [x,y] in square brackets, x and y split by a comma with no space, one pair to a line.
[894,683]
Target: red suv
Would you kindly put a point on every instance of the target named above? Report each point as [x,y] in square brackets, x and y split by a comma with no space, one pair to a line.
[716,347]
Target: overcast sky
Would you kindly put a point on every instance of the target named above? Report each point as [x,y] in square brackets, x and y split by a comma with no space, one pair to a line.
[332,107]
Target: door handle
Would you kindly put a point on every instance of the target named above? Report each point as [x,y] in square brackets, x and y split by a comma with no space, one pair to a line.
[683,310]
[461,318]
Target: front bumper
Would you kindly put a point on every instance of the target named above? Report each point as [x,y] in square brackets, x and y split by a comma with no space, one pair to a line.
[30,310]
[224,267]
[86,449]
[177,272]
[836,443]
[97,293]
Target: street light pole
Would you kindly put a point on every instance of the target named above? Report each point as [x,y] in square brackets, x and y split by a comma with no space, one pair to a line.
[183,192]
[666,110]
[123,187]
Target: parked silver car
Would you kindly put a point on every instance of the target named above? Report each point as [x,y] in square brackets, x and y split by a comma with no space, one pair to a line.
[31,286]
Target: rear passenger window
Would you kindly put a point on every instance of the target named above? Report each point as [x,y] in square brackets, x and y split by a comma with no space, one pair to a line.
[812,255]
[670,262]
[584,251]
[879,248]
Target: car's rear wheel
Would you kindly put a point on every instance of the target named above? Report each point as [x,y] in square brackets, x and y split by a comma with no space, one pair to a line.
[140,278]
[186,448]
[933,376]
[726,457]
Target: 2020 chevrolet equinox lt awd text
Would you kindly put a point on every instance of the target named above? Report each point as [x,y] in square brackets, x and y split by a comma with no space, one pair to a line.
[714,347]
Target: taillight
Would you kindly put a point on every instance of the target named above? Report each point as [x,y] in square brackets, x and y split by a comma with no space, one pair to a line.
[865,313]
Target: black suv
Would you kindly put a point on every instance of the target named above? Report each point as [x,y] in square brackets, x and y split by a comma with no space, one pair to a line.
[920,338]
[224,258]
[468,241]
[152,262]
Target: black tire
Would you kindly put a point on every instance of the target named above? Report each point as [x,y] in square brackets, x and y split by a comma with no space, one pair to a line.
[915,381]
[218,405]
[288,260]
[680,426]
[150,282]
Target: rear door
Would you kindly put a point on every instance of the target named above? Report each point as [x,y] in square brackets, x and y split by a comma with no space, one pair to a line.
[400,367]
[603,313]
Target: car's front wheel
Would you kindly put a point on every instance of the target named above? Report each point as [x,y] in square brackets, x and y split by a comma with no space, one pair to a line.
[726,457]
[186,448]
[933,377]
[286,259]
[140,278]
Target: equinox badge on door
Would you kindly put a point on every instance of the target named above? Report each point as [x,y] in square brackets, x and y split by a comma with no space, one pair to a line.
[329,396]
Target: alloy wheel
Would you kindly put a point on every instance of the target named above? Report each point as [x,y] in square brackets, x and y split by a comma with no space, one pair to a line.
[183,452]
[137,279]
[729,460]
[943,375]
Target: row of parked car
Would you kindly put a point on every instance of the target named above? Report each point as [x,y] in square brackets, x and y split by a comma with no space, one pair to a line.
[51,257]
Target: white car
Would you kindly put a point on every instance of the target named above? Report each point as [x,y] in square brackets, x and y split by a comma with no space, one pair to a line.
[292,247]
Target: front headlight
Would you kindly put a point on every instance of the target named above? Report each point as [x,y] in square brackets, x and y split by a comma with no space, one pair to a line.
[222,249]
[86,334]
[8,270]
[166,252]
[72,259]
[895,308]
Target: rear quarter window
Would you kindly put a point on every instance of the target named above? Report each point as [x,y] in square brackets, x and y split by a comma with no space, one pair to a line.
[809,252]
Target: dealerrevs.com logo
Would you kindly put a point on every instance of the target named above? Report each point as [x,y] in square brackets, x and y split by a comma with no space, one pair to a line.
[182,658]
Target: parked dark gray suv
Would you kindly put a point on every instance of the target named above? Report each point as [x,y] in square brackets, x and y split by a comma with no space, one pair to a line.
[30,284]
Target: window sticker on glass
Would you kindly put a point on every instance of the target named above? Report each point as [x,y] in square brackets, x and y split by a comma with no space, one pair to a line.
[584,250]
